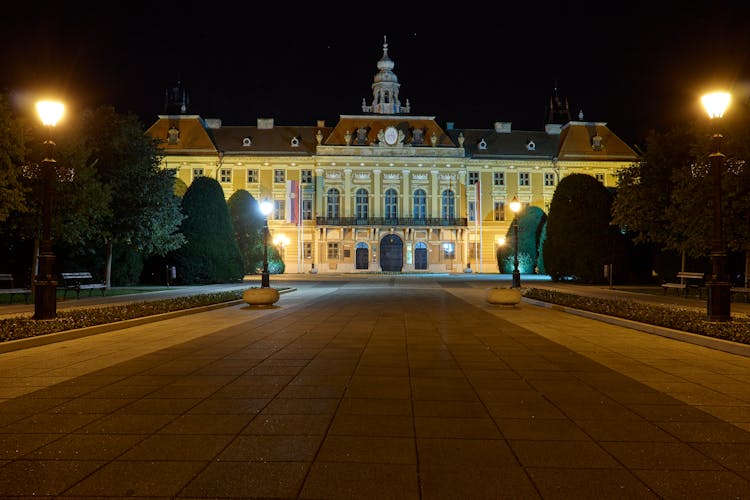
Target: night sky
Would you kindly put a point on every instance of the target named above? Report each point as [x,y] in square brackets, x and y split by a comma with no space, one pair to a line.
[635,66]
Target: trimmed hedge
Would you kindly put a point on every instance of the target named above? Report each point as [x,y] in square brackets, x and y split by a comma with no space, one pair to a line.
[677,318]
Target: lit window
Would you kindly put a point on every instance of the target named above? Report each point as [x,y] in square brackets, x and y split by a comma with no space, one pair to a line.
[391,204]
[472,211]
[447,206]
[333,251]
[361,204]
[449,251]
[499,211]
[305,176]
[306,209]
[332,203]
[420,205]
[279,176]
[278,209]
[307,250]
[252,176]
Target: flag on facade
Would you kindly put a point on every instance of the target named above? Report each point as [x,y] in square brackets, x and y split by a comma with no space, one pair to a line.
[293,200]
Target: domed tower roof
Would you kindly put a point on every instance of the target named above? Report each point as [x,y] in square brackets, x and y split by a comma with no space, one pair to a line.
[385,88]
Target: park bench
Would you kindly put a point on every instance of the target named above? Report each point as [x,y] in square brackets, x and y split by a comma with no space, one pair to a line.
[80,281]
[688,280]
[7,287]
[741,289]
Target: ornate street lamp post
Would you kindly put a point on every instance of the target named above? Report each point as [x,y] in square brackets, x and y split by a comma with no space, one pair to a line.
[265,208]
[718,303]
[515,207]
[45,285]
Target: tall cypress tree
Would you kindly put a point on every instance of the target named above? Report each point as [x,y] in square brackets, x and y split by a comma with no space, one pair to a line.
[211,254]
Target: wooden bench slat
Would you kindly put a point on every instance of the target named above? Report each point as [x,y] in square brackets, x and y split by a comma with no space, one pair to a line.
[79,281]
[11,289]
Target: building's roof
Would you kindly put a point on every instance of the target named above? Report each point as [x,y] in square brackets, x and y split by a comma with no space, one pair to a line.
[592,141]
[193,137]
[278,140]
[375,123]
[520,144]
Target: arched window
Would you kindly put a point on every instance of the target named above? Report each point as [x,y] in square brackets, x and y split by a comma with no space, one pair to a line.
[361,208]
[391,204]
[448,207]
[420,205]
[332,203]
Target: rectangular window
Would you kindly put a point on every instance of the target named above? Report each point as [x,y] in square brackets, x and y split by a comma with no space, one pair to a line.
[252,176]
[600,178]
[549,179]
[197,172]
[498,178]
[333,251]
[523,178]
[473,178]
[306,209]
[225,175]
[472,211]
[499,210]
[307,250]
[305,177]
[279,175]
[449,251]
[278,209]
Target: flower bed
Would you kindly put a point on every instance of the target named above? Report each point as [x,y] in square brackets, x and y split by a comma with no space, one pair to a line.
[19,327]
[677,318]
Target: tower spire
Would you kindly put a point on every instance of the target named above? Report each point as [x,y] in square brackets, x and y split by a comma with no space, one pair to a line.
[385,88]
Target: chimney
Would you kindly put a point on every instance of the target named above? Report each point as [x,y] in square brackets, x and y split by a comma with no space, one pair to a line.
[448,125]
[321,123]
[213,123]
[502,127]
[265,123]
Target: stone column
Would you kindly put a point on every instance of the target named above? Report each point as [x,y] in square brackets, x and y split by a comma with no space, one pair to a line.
[347,195]
[435,195]
[320,208]
[377,210]
[405,195]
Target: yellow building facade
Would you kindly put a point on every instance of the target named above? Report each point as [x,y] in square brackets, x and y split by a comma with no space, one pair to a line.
[388,190]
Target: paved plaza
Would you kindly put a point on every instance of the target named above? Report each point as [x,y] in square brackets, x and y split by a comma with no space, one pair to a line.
[392,387]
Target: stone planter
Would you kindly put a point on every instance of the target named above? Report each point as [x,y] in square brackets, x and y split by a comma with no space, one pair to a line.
[504,296]
[260,296]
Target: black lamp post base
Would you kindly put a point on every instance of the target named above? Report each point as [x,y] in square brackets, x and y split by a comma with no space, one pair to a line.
[45,300]
[718,301]
[265,282]
[516,279]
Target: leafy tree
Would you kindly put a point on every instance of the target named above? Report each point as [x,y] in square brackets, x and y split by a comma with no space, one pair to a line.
[247,222]
[211,254]
[13,154]
[580,238]
[530,223]
[144,213]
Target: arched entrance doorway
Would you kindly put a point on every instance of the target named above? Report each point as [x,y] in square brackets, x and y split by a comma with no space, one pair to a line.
[362,256]
[420,256]
[391,253]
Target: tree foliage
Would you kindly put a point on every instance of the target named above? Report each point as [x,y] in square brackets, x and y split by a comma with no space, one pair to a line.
[666,198]
[247,222]
[530,222]
[580,238]
[13,155]
[211,254]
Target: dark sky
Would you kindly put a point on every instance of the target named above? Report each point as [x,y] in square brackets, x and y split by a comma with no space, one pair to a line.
[633,65]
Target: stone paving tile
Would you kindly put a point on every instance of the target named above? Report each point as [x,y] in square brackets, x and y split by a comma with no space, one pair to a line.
[272,448]
[613,483]
[37,478]
[478,481]
[382,450]
[462,452]
[213,423]
[86,446]
[361,480]
[562,454]
[695,484]
[541,429]
[178,447]
[125,423]
[657,456]
[286,424]
[137,478]
[456,427]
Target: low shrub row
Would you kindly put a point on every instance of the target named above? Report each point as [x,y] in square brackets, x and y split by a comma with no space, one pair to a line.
[19,327]
[677,318]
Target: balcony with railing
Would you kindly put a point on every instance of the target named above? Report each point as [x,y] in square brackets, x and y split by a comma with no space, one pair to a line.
[388,221]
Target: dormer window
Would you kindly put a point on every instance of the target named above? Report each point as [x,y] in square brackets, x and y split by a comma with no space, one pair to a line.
[173,135]
[596,143]
[482,144]
[295,142]
[531,146]
[247,142]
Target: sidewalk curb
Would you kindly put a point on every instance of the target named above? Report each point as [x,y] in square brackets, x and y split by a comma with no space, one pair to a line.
[691,338]
[51,338]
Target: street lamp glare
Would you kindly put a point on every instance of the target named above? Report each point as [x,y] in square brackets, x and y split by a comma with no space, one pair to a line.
[515,205]
[50,112]
[716,103]
[266,207]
